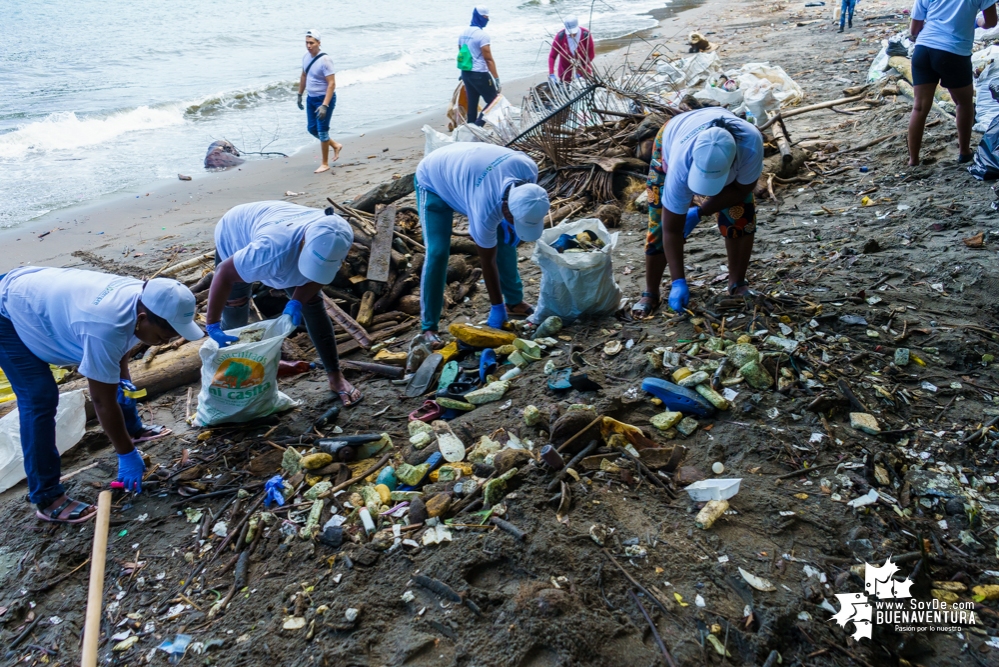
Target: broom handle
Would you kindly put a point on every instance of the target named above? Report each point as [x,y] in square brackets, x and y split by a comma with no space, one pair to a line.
[92,628]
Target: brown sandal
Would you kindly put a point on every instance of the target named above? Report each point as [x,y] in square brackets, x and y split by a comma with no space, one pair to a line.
[78,515]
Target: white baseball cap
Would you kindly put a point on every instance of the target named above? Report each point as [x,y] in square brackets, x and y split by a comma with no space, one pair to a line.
[173,302]
[482,10]
[571,24]
[327,242]
[711,160]
[314,34]
[529,205]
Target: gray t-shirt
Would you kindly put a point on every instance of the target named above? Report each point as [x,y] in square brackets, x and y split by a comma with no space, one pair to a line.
[475,38]
[315,82]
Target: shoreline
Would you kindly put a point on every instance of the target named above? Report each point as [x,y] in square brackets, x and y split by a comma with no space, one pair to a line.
[145,228]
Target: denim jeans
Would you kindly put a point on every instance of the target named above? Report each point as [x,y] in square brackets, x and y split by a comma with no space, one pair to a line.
[437,217]
[319,127]
[317,322]
[847,6]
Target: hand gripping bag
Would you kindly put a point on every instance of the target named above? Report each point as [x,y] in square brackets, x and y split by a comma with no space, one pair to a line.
[239,382]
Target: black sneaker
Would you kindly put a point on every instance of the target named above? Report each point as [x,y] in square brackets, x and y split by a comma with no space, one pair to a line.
[840,29]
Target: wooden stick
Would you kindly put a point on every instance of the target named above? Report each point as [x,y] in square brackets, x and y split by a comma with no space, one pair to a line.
[370,471]
[394,372]
[95,596]
[183,266]
[367,309]
[346,322]
[783,145]
[812,107]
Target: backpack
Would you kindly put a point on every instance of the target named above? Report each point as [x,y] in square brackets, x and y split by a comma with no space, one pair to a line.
[465,60]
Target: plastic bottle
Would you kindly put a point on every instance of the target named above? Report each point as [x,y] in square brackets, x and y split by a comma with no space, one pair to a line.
[750,118]
[369,524]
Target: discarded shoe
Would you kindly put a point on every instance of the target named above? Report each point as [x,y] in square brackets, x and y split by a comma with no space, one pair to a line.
[677,398]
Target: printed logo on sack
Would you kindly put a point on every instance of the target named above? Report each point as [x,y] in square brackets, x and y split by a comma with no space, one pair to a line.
[239,378]
[887,601]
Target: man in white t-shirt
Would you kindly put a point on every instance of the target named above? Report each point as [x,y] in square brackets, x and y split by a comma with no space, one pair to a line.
[496,189]
[283,246]
[68,317]
[714,154]
[478,69]
[318,83]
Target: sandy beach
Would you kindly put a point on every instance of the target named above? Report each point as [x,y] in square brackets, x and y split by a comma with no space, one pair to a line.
[142,230]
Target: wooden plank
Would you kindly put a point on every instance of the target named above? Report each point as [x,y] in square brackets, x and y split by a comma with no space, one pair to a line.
[381,245]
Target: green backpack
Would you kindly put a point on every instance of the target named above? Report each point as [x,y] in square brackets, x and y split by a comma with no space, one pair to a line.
[465,60]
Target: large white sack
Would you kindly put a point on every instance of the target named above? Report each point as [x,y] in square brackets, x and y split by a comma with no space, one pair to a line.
[239,382]
[576,284]
[71,424]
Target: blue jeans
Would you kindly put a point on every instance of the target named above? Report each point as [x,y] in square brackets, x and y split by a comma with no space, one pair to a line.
[437,218]
[37,400]
[848,5]
[319,127]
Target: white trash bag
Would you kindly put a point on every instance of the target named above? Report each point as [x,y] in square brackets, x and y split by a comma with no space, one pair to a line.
[71,424]
[239,382]
[576,284]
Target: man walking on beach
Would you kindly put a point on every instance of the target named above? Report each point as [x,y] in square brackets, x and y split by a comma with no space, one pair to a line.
[712,153]
[478,69]
[318,83]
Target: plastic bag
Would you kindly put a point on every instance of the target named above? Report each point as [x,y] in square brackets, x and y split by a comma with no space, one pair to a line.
[766,88]
[880,64]
[434,139]
[699,67]
[986,107]
[985,166]
[71,423]
[239,382]
[579,284]
[724,97]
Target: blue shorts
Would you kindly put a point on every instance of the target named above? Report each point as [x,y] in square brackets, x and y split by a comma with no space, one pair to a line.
[319,128]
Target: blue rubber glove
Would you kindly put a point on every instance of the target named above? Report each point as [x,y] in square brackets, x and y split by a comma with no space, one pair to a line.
[274,491]
[130,470]
[679,295]
[554,79]
[509,233]
[497,316]
[219,336]
[123,386]
[693,217]
[294,310]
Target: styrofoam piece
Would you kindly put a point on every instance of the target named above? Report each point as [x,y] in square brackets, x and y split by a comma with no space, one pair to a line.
[713,489]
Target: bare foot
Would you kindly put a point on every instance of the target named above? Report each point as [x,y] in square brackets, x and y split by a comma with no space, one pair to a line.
[336,150]
[322,168]
[349,394]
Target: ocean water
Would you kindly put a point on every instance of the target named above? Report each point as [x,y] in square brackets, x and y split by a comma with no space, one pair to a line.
[100,97]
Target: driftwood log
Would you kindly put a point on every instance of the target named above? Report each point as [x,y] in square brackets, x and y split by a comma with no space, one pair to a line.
[386,193]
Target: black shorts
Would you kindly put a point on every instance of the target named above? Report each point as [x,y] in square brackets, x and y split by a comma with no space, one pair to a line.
[935,66]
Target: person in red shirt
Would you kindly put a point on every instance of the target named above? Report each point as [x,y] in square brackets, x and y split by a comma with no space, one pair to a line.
[572,48]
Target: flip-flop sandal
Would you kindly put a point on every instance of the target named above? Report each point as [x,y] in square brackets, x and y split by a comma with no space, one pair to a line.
[677,398]
[521,314]
[427,412]
[559,380]
[646,310]
[345,395]
[76,516]
[741,283]
[424,375]
[457,390]
[487,363]
[432,339]
[154,432]
[448,375]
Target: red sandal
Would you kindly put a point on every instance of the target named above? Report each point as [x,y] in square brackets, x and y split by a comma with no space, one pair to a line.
[428,412]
